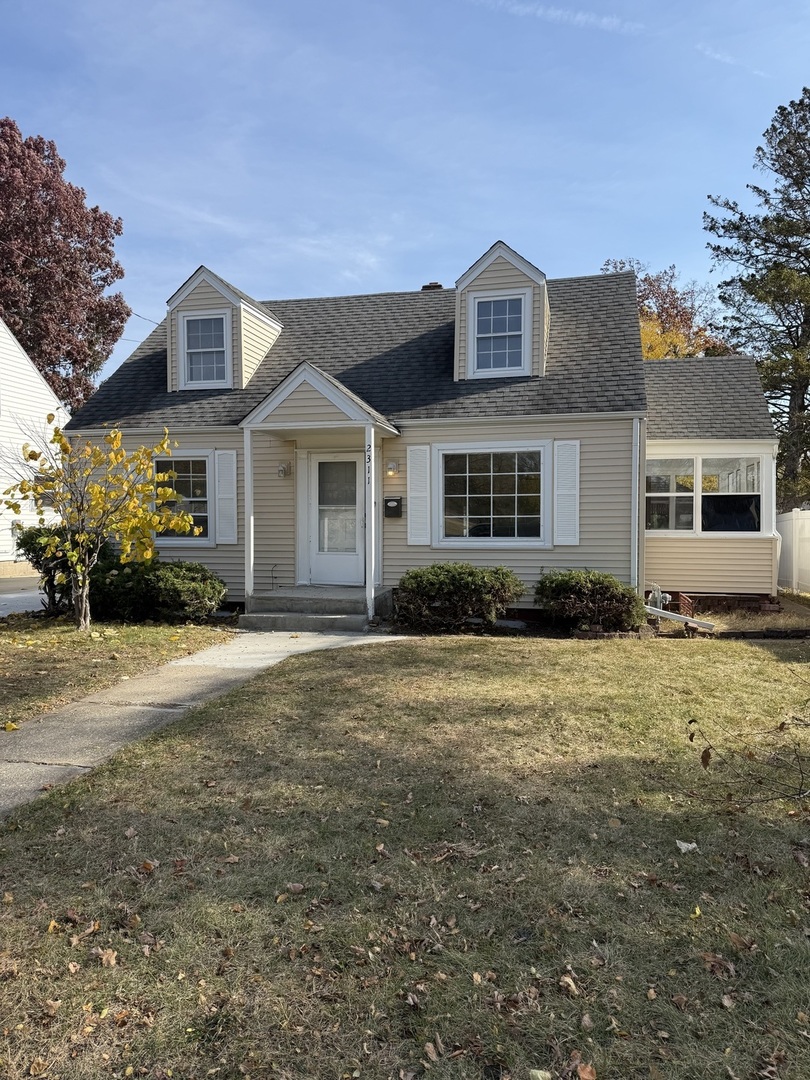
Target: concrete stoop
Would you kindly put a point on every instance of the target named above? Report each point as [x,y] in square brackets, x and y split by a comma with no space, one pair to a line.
[301,622]
[307,608]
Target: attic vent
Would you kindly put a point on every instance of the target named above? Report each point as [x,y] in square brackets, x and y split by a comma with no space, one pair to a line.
[432,285]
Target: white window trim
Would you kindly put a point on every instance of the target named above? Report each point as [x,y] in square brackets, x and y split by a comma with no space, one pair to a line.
[182,358]
[473,297]
[189,538]
[483,543]
[767,525]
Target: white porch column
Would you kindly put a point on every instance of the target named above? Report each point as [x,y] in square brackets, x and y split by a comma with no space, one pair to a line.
[248,436]
[371,521]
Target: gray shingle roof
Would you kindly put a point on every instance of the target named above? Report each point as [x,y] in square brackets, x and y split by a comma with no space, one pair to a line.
[395,351]
[712,397]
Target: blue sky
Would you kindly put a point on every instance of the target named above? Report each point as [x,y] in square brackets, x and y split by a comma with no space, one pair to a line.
[309,147]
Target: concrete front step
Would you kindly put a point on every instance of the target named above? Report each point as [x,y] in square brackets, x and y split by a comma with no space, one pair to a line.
[301,622]
[311,601]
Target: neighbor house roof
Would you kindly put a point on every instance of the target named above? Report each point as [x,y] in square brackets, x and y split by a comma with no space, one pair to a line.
[711,397]
[395,351]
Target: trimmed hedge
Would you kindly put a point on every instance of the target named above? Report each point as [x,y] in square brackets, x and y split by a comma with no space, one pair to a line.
[586,599]
[445,597]
[162,592]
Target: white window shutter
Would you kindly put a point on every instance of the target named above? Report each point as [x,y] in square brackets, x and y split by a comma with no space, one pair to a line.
[566,492]
[418,506]
[226,524]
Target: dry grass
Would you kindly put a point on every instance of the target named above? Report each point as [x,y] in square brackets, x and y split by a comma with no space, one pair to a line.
[449,858]
[45,663]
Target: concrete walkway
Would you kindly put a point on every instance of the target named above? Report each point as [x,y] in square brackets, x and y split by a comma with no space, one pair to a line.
[57,746]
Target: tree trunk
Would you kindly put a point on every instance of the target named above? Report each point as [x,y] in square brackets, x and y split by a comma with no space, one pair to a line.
[81,600]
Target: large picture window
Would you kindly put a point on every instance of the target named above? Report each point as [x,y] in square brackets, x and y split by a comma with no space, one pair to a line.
[727,496]
[191,482]
[492,495]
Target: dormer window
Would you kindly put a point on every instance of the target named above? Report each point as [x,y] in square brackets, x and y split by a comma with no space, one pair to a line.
[500,334]
[205,348]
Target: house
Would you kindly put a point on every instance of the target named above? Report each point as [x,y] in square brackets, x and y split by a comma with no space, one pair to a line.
[25,402]
[338,442]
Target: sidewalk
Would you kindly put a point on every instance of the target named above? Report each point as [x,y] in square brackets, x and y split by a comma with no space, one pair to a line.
[57,746]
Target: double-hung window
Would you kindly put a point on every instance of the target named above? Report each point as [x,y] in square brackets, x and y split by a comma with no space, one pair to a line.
[205,350]
[704,494]
[499,334]
[191,481]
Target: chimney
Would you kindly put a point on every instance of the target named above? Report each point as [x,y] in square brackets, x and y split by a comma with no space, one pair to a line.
[431,285]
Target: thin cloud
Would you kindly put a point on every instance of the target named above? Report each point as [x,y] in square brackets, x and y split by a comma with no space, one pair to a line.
[580,20]
[725,58]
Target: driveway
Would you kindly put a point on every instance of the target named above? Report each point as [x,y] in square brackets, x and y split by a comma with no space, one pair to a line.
[19,594]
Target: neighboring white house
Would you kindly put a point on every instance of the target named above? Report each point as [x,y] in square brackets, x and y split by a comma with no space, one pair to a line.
[25,402]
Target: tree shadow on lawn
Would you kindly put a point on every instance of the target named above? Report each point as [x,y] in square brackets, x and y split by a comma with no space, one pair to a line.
[321,873]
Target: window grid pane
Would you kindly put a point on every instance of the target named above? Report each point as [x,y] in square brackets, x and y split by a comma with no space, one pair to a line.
[494,495]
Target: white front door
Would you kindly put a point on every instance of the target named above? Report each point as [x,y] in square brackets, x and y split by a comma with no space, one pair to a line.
[336,534]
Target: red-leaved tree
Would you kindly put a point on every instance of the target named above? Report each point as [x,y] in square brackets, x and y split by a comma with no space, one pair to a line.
[57,261]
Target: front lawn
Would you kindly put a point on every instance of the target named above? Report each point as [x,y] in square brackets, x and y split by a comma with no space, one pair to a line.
[45,663]
[451,858]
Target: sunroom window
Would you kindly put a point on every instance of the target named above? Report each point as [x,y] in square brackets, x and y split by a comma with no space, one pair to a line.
[728,498]
[495,495]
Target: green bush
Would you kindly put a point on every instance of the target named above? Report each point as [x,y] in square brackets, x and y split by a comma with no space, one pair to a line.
[579,599]
[163,592]
[444,597]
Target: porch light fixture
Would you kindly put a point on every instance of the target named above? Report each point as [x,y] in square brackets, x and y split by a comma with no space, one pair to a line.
[285,469]
[392,468]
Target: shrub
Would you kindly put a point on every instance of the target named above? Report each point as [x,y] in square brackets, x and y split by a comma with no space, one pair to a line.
[588,598]
[164,592]
[444,597]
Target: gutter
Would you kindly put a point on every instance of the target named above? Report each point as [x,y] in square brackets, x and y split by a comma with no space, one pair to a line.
[635,482]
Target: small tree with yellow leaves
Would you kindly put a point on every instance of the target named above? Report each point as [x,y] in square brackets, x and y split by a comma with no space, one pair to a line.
[100,492]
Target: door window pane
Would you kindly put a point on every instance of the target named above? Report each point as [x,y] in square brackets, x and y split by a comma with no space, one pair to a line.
[337,506]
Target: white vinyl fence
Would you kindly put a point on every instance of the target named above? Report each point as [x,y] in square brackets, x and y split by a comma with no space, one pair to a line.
[794,555]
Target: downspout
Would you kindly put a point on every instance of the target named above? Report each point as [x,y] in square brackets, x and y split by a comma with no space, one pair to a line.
[371,524]
[635,486]
[248,436]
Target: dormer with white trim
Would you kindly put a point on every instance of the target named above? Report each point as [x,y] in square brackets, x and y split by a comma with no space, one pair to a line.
[217,336]
[502,317]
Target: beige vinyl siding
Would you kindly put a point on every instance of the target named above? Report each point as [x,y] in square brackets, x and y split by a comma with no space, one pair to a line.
[227,560]
[501,275]
[202,298]
[274,514]
[25,402]
[257,337]
[712,564]
[604,503]
[306,405]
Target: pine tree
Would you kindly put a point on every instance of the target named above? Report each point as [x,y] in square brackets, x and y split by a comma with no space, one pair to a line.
[768,295]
